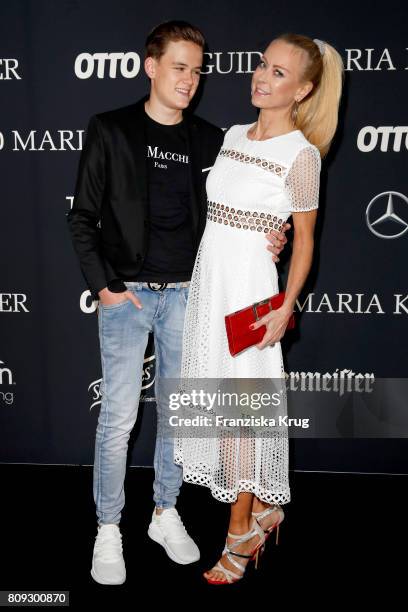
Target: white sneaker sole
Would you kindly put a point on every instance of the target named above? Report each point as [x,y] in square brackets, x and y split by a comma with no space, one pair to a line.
[102,581]
[155,535]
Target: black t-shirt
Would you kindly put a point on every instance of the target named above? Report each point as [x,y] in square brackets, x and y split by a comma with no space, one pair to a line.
[170,255]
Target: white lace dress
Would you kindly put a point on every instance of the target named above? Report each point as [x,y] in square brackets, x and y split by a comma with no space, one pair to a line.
[254,186]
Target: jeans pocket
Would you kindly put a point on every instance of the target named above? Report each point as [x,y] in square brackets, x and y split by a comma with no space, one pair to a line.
[113,306]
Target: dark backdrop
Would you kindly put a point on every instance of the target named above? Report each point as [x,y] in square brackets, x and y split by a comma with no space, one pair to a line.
[353,317]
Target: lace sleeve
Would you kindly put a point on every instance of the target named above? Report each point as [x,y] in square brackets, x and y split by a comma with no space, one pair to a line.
[303,179]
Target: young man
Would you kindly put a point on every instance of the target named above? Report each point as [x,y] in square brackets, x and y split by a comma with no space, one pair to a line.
[138,215]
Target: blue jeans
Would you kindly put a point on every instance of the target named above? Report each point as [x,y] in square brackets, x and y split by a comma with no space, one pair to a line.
[123,336]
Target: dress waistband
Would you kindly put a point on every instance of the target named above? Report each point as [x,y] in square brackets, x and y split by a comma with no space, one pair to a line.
[244,219]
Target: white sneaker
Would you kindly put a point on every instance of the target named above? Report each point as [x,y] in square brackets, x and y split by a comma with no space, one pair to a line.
[168,530]
[108,565]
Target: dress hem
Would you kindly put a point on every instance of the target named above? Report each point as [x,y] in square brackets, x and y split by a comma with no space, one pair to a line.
[243,486]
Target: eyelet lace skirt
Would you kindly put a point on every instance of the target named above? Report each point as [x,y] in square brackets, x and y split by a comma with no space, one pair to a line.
[232,270]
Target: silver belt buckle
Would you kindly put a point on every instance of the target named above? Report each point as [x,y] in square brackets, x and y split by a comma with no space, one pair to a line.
[157,286]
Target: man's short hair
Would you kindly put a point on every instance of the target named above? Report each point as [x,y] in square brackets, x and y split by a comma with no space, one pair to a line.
[171,31]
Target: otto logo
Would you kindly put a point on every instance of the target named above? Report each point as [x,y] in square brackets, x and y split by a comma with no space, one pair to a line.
[96,387]
[237,62]
[384,138]
[13,302]
[8,70]
[111,65]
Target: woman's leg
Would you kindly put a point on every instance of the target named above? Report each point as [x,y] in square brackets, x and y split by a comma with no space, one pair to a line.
[272,519]
[240,523]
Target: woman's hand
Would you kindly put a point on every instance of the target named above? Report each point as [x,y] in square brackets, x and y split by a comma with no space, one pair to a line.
[277,241]
[276,323]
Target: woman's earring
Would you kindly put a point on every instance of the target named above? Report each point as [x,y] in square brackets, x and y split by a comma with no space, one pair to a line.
[295,112]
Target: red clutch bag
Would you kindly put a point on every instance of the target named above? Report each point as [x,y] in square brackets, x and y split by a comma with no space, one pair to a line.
[237,323]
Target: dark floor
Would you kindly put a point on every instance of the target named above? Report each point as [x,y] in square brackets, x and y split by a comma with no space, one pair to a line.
[337,528]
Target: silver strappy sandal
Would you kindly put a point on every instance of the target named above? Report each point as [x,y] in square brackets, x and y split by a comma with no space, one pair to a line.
[229,552]
[259,516]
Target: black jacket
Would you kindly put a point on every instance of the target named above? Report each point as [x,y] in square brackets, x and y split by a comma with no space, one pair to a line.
[109,220]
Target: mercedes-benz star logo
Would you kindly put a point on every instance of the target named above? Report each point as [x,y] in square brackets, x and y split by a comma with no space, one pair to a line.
[389,218]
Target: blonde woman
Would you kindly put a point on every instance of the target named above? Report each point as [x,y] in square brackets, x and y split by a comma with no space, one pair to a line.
[264,173]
